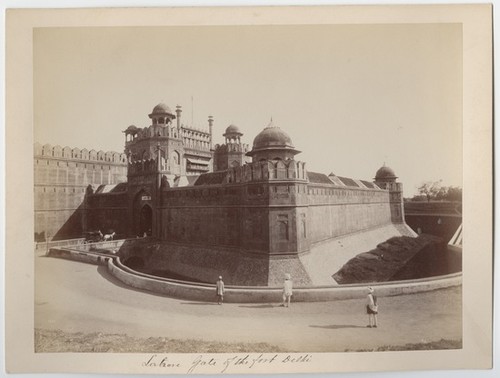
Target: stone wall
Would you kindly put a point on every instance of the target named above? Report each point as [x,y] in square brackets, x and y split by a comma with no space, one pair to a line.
[269,217]
[222,225]
[202,263]
[61,176]
[334,212]
[443,226]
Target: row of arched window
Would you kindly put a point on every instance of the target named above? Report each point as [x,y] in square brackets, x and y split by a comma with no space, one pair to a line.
[195,134]
[196,144]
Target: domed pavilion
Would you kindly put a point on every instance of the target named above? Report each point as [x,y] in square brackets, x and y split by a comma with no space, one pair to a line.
[272,143]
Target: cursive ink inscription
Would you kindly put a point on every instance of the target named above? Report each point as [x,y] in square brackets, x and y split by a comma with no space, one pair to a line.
[249,361]
[221,364]
[158,361]
[295,359]
[201,361]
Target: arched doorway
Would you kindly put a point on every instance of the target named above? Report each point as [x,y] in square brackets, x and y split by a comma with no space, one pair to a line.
[142,214]
[146,220]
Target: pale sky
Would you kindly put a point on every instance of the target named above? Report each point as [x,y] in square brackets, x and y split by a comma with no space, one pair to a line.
[351,97]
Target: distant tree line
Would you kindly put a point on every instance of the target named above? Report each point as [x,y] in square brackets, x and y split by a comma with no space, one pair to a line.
[434,191]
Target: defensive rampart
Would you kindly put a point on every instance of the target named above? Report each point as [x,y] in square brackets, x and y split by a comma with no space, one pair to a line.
[61,176]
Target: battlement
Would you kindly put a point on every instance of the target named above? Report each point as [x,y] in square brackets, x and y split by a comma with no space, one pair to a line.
[142,166]
[232,147]
[136,134]
[268,170]
[57,151]
[147,166]
[191,137]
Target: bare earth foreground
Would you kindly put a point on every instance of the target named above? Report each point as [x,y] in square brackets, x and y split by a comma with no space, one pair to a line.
[77,300]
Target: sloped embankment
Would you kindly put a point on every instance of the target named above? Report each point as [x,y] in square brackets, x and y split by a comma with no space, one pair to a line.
[400,258]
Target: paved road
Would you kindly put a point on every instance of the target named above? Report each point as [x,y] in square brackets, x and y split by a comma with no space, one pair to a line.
[78,297]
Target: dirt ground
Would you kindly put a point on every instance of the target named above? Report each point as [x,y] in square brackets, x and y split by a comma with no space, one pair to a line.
[73,297]
[53,341]
[398,258]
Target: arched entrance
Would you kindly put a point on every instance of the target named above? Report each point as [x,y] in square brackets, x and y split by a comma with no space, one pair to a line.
[146,220]
[142,214]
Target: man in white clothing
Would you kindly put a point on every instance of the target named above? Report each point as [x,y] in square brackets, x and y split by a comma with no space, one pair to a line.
[287,290]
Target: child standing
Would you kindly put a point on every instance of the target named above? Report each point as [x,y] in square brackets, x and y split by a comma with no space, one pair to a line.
[219,290]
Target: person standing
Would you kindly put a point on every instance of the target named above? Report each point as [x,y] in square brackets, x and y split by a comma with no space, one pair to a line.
[287,290]
[219,290]
[371,308]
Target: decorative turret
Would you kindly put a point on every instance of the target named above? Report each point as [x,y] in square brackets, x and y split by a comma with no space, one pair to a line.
[130,133]
[161,115]
[233,134]
[385,178]
[233,152]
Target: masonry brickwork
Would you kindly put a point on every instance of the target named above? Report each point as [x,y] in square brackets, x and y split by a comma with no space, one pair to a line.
[61,178]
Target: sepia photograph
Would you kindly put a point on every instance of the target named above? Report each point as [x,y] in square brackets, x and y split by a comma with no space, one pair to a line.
[249,196]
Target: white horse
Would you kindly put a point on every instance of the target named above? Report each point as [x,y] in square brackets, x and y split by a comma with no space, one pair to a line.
[109,237]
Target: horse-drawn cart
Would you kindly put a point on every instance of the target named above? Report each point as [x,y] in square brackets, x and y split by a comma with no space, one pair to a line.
[93,236]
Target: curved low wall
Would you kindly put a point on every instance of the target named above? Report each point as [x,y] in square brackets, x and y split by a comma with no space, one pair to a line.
[91,258]
[236,294]
[251,294]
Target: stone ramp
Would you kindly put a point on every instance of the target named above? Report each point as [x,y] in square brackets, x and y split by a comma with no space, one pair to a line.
[278,268]
[405,230]
[328,257]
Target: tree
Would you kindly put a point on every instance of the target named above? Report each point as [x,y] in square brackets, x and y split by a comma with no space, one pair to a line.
[430,189]
[454,193]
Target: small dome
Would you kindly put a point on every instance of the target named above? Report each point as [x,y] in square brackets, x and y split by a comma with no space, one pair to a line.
[385,173]
[162,109]
[272,136]
[232,130]
[131,129]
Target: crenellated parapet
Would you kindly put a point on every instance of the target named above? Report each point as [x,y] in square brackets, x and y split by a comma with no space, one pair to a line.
[268,170]
[191,137]
[147,166]
[134,134]
[58,152]
[232,147]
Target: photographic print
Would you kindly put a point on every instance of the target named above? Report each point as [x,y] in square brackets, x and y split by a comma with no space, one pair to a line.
[214,197]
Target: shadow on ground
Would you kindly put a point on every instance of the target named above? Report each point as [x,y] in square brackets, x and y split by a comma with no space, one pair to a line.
[260,306]
[337,326]
[200,303]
